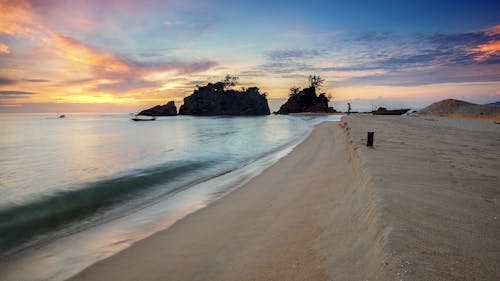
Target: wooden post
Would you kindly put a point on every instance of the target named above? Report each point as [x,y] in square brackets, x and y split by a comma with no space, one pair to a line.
[369,141]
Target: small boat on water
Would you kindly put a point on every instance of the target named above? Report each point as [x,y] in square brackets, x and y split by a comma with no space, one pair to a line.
[61,116]
[143,118]
[384,111]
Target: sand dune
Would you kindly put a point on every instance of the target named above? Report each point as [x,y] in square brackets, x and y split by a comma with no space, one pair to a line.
[423,204]
[458,108]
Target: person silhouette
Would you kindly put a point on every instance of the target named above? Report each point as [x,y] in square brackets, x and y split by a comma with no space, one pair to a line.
[348,108]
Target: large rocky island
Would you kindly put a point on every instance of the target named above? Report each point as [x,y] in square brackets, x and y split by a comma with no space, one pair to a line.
[306,100]
[217,99]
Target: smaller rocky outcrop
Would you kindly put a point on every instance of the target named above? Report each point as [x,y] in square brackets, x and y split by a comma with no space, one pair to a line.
[305,101]
[168,109]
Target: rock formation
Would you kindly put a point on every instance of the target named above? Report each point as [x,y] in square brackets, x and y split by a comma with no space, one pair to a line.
[215,99]
[168,109]
[305,101]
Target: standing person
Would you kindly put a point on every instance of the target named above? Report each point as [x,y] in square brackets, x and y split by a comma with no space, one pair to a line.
[348,108]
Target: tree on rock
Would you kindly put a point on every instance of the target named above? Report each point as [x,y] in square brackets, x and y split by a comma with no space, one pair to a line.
[316,81]
[230,81]
[294,91]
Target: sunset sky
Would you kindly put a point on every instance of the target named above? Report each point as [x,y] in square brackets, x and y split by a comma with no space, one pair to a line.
[124,55]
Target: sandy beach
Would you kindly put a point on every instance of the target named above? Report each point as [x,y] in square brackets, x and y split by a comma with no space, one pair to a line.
[423,204]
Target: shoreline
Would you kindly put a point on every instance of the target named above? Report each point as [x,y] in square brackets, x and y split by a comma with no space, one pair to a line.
[267,229]
[213,187]
[423,204]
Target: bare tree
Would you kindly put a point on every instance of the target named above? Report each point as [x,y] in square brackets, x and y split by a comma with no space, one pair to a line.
[230,81]
[294,90]
[316,81]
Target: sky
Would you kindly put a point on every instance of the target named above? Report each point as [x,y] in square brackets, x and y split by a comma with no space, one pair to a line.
[125,55]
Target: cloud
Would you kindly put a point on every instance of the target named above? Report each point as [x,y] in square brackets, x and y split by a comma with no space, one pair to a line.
[15,94]
[36,80]
[75,51]
[15,17]
[124,85]
[374,36]
[489,50]
[4,49]
[6,81]
[382,58]
[286,54]
[108,71]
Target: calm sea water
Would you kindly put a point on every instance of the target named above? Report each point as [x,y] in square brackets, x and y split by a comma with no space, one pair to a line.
[79,189]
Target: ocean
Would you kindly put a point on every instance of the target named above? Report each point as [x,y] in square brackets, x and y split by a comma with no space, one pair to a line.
[79,189]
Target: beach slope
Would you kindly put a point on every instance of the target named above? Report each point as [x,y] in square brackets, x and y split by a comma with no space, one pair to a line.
[438,182]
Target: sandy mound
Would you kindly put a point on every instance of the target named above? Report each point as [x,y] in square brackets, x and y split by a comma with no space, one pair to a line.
[452,107]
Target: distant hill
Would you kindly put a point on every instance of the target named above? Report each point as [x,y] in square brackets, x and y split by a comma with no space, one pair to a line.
[495,103]
[458,108]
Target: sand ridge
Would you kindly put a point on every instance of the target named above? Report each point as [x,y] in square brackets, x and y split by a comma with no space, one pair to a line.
[439,188]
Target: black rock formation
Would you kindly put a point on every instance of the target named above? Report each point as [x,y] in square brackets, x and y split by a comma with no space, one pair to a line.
[214,99]
[168,109]
[305,101]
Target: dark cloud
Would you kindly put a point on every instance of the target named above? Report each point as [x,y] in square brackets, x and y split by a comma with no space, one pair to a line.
[15,94]
[6,81]
[193,67]
[36,80]
[286,54]
[374,36]
[251,73]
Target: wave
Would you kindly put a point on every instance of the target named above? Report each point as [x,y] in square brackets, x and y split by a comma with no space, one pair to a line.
[19,223]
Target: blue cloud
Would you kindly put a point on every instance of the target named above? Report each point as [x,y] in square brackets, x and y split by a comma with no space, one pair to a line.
[15,94]
[422,58]
[286,54]
[6,81]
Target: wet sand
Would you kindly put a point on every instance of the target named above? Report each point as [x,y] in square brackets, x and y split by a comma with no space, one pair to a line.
[423,204]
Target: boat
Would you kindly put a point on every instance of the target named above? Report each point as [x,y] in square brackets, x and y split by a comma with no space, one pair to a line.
[384,111]
[143,118]
[61,116]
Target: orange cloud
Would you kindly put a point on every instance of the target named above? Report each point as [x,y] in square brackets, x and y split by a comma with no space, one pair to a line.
[490,49]
[487,50]
[15,17]
[494,30]
[4,49]
[104,71]
[72,50]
